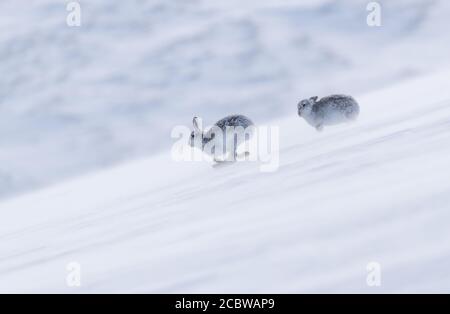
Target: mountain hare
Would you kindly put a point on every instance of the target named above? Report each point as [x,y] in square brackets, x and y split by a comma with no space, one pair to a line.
[329,110]
[241,126]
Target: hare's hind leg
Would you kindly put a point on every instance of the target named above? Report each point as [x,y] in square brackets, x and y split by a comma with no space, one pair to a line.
[228,159]
[352,115]
[225,162]
[242,156]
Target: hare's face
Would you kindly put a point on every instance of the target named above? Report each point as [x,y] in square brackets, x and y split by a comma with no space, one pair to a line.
[196,139]
[304,107]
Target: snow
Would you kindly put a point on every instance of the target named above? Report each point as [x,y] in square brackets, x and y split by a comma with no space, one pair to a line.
[376,190]
[75,100]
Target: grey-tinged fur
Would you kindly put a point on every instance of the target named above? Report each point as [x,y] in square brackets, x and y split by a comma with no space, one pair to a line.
[222,124]
[329,110]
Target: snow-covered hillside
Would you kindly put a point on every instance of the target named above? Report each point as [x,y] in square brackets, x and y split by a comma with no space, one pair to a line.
[73,100]
[374,191]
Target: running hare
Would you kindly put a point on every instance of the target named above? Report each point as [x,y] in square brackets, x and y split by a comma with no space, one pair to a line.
[239,124]
[329,110]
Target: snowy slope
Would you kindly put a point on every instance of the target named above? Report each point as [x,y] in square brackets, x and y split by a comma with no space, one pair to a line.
[136,68]
[374,191]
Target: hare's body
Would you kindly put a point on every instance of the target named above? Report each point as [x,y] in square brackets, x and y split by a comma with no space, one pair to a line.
[233,131]
[328,110]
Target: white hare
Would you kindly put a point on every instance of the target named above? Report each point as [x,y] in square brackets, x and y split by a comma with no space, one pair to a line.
[241,126]
[329,110]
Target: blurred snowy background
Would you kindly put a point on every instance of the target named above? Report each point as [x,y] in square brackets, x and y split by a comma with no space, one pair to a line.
[76,99]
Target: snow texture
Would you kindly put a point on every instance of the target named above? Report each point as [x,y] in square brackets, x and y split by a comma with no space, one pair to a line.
[377,190]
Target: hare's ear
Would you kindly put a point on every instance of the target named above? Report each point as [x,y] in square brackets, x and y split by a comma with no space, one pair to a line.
[314,98]
[196,124]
